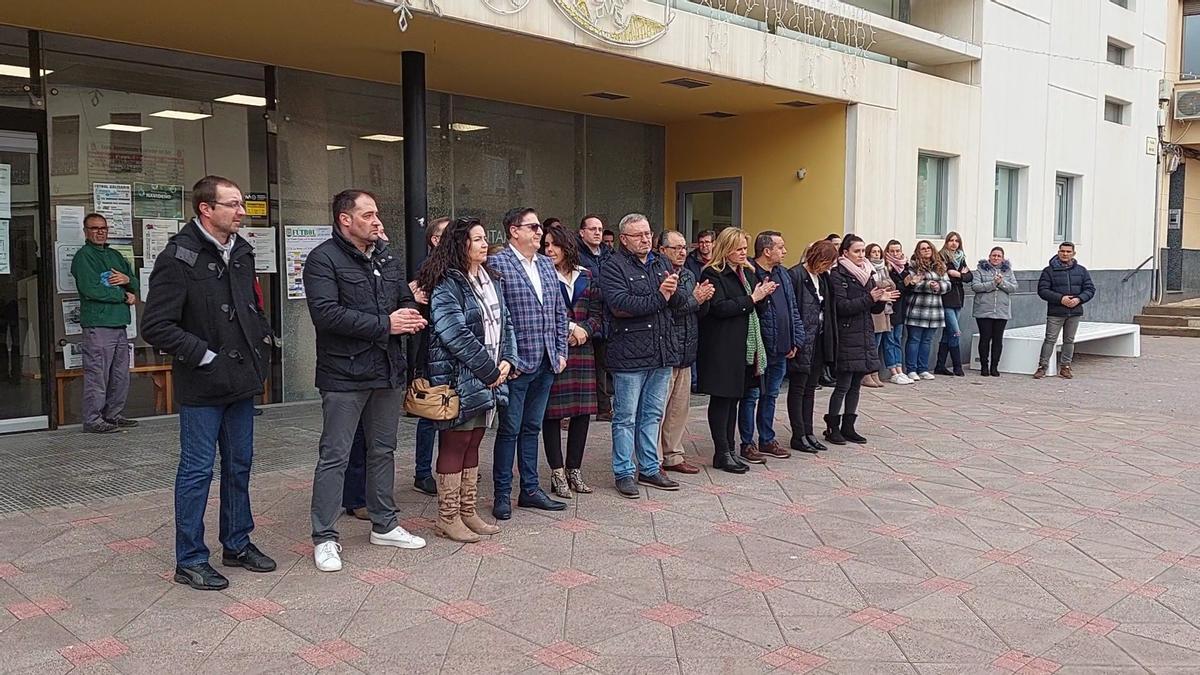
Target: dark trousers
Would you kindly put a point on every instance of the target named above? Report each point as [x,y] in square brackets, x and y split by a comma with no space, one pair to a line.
[517,434]
[846,392]
[423,462]
[202,431]
[458,450]
[577,432]
[354,490]
[802,392]
[604,385]
[722,422]
[991,340]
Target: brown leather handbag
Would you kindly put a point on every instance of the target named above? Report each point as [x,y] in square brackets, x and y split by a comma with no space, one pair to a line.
[438,403]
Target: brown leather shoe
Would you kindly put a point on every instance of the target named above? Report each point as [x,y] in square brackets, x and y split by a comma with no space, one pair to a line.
[1039,373]
[774,449]
[751,454]
[1064,371]
[604,416]
[682,467]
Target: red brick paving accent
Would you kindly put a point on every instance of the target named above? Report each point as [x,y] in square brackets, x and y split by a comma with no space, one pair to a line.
[798,509]
[825,461]
[658,551]
[342,650]
[462,611]
[1096,513]
[947,585]
[1135,497]
[943,511]
[733,528]
[893,531]
[793,660]
[947,463]
[132,545]
[8,570]
[87,653]
[1020,662]
[485,548]
[86,522]
[880,619]
[264,521]
[303,550]
[416,523]
[1055,533]
[254,608]
[771,474]
[39,607]
[853,492]
[575,525]
[904,477]
[299,485]
[570,578]
[998,495]
[1039,478]
[1146,590]
[829,554]
[1172,480]
[1006,557]
[317,657]
[754,581]
[562,656]
[1096,625]
[649,506]
[1179,559]
[670,614]
[380,575]
[716,489]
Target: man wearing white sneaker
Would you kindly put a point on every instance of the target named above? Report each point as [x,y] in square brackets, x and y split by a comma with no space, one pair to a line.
[361,307]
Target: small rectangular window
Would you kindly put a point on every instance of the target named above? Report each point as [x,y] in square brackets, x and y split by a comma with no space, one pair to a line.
[933,179]
[1117,53]
[1120,3]
[1116,111]
[1007,205]
[1064,208]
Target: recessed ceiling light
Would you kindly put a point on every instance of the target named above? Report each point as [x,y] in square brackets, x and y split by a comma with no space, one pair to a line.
[718,114]
[607,95]
[22,72]
[386,138]
[335,147]
[180,115]
[797,104]
[124,127]
[243,99]
[687,83]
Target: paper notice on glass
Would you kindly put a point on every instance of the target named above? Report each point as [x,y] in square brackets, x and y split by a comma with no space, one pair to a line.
[5,191]
[126,251]
[5,263]
[151,200]
[263,241]
[144,282]
[70,312]
[131,329]
[155,234]
[114,201]
[72,356]
[68,221]
[300,240]
[64,255]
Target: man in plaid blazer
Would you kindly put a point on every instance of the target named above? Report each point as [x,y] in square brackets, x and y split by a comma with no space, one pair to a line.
[539,318]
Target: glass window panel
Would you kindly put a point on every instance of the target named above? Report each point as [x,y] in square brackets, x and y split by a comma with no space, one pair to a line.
[1007,195]
[14,68]
[932,178]
[1190,61]
[624,172]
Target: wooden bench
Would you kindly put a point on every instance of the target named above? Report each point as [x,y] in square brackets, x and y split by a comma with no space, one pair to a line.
[164,390]
[1023,346]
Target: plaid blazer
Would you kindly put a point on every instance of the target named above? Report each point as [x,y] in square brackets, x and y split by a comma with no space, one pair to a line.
[925,304]
[540,326]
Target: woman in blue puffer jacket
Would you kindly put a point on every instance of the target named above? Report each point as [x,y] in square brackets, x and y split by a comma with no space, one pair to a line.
[472,348]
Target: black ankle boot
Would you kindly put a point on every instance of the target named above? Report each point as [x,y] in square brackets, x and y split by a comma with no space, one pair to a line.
[833,429]
[956,359]
[815,444]
[939,366]
[983,368]
[848,431]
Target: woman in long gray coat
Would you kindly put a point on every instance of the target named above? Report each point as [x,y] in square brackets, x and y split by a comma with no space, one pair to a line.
[994,283]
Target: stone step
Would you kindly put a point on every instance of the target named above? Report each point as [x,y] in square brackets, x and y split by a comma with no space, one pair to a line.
[1173,331]
[1172,310]
[1167,320]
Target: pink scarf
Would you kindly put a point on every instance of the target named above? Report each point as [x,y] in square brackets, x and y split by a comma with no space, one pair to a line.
[896,262]
[861,272]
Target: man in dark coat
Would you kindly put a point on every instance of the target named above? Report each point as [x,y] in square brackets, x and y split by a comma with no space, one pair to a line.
[1066,286]
[201,309]
[593,253]
[361,307]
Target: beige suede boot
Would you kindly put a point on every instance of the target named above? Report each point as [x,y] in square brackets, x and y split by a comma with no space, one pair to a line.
[449,524]
[466,506]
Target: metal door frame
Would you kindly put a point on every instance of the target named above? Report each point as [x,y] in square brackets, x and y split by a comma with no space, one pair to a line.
[685,188]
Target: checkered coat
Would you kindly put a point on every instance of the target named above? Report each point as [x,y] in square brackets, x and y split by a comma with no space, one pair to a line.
[540,327]
[574,389]
[924,308]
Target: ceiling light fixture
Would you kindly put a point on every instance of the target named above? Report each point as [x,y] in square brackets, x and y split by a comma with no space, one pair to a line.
[335,147]
[607,95]
[243,99]
[124,127]
[386,138]
[7,70]
[180,115]
[462,127]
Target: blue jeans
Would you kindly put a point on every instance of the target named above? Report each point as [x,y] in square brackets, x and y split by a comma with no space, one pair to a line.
[426,433]
[354,487]
[202,430]
[520,426]
[758,410]
[951,332]
[893,356]
[916,350]
[639,399]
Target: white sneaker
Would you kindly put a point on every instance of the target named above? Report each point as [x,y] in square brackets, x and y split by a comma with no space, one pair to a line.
[326,556]
[913,377]
[398,537]
[900,378]
[927,375]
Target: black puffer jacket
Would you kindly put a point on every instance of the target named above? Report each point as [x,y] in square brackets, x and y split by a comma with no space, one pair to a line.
[900,307]
[1058,280]
[638,318]
[350,298]
[198,303]
[953,299]
[686,318]
[817,323]
[856,351]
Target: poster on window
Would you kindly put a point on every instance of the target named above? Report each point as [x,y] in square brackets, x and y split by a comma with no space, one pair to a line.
[300,240]
[5,191]
[155,235]
[263,241]
[69,222]
[70,312]
[73,356]
[126,251]
[114,201]
[151,200]
[5,264]
[64,255]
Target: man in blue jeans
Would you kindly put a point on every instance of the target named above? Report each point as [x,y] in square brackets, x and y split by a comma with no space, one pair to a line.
[202,310]
[639,290]
[783,334]
[539,317]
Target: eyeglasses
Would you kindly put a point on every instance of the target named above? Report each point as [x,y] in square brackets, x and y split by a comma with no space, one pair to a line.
[102,228]
[533,227]
[638,235]
[235,204]
[673,248]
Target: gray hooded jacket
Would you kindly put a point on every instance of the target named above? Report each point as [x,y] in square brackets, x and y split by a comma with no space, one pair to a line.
[993,300]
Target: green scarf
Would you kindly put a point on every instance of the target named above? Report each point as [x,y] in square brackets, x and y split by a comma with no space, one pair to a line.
[755,349]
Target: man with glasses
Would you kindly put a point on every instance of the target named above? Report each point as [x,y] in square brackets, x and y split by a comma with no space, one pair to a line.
[202,310]
[539,318]
[640,291]
[700,256]
[593,254]
[107,289]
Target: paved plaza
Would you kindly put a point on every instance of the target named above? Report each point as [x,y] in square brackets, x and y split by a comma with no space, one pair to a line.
[991,525]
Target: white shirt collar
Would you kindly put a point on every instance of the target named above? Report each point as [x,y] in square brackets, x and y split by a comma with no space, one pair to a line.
[225,248]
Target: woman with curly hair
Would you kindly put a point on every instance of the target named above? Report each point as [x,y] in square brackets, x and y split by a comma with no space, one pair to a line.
[927,283]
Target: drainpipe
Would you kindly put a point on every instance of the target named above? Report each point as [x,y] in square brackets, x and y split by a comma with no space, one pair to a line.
[1156,282]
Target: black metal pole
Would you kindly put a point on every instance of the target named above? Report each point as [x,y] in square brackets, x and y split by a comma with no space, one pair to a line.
[416,199]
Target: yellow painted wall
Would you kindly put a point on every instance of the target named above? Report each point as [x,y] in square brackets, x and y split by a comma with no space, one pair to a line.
[766,150]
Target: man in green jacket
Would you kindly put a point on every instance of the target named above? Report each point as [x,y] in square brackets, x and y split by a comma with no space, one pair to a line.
[107,287]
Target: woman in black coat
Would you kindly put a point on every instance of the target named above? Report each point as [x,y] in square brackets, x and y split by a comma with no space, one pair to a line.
[725,334]
[855,298]
[811,280]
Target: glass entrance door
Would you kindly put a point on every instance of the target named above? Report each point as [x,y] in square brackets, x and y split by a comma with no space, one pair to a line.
[707,205]
[23,371]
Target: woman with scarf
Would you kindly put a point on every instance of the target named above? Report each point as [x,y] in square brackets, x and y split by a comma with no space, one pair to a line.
[730,329]
[952,303]
[882,321]
[926,283]
[994,284]
[811,281]
[855,298]
[896,266]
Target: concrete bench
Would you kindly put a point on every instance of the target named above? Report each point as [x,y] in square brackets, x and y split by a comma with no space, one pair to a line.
[1023,346]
